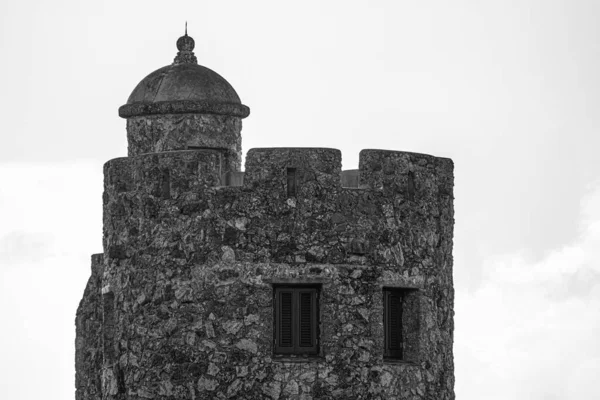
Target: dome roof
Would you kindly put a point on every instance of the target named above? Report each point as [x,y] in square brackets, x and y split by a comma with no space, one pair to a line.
[184,87]
[183,82]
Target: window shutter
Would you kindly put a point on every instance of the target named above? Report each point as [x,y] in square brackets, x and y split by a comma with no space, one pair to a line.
[284,317]
[307,320]
[393,324]
[286,320]
[296,320]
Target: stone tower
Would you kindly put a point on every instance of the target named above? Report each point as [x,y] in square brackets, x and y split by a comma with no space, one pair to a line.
[293,279]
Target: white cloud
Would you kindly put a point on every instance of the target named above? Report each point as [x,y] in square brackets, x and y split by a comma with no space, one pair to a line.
[530,331]
[51,222]
[20,246]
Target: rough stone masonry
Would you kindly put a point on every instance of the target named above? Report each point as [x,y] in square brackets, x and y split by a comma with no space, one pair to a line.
[181,303]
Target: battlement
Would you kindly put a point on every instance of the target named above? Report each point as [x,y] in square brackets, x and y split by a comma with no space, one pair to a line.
[415,175]
[286,172]
[167,174]
[300,194]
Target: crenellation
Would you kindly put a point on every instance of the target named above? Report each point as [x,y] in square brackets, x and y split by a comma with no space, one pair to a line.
[268,167]
[411,174]
[117,175]
[328,225]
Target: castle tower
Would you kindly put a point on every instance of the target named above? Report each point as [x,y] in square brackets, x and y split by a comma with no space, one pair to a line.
[291,280]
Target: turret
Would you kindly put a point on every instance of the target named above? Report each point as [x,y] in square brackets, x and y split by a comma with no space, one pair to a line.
[185,106]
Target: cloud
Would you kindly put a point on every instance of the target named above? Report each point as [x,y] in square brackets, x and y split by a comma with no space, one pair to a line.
[51,222]
[20,246]
[49,210]
[530,330]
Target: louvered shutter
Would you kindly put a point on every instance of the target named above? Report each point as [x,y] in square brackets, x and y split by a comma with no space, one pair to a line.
[296,320]
[307,321]
[284,341]
[393,323]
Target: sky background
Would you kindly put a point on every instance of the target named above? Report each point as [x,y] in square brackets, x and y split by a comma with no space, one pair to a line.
[509,90]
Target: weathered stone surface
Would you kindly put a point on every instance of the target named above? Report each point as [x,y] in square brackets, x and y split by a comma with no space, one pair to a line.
[247,345]
[88,342]
[168,132]
[207,384]
[192,286]
[180,304]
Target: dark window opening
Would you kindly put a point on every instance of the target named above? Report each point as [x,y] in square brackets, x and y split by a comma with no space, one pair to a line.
[401,324]
[411,186]
[292,182]
[296,320]
[165,184]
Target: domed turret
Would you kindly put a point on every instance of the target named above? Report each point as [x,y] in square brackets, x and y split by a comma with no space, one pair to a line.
[184,106]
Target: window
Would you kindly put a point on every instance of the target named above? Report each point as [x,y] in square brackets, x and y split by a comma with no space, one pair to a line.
[401,323]
[296,320]
[292,182]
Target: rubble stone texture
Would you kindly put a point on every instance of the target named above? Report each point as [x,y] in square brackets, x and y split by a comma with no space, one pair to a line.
[180,303]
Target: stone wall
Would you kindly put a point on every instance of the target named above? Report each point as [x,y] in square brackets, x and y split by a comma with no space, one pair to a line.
[88,342]
[159,133]
[190,267]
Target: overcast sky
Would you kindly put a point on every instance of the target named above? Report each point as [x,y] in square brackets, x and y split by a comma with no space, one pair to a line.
[509,90]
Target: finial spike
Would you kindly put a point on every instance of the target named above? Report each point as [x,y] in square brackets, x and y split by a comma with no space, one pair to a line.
[185,45]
